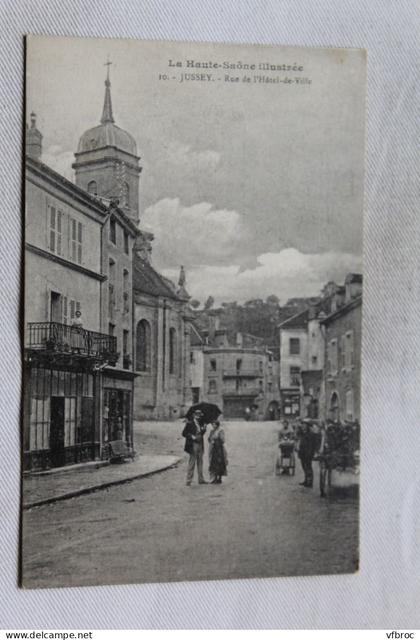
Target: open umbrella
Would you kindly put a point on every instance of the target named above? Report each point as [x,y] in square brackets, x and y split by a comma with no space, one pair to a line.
[210,411]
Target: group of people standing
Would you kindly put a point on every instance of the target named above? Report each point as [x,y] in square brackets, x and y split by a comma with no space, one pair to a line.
[306,440]
[194,432]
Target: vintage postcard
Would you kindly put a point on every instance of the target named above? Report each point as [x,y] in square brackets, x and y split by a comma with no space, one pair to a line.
[193,298]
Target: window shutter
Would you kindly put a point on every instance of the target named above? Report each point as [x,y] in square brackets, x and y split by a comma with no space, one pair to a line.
[58,234]
[52,228]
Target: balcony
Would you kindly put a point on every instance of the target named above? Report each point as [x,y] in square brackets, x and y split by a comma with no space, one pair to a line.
[53,340]
[243,373]
[245,392]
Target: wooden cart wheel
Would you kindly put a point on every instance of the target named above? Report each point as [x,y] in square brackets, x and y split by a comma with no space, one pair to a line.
[324,480]
[293,464]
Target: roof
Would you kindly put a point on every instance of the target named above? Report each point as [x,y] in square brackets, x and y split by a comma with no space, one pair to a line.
[89,199]
[196,338]
[43,169]
[147,280]
[345,308]
[354,277]
[298,321]
[107,134]
[302,302]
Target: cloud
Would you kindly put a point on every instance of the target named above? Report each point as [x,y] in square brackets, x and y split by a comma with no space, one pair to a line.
[287,274]
[196,235]
[178,154]
[59,160]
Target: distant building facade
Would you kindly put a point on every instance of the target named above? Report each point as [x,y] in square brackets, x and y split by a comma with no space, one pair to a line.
[196,364]
[306,378]
[293,359]
[342,371]
[240,378]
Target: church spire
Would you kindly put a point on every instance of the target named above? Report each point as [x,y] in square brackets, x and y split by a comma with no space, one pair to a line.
[182,278]
[182,292]
[107,110]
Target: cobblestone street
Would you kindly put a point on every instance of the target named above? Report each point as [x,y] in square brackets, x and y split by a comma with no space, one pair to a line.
[255,524]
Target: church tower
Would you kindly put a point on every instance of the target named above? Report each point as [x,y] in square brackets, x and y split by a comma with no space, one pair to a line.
[107,164]
[33,139]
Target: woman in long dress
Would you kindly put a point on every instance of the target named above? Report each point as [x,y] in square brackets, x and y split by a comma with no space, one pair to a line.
[217,454]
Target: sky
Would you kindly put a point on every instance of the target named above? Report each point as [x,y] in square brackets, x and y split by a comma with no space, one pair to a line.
[255,187]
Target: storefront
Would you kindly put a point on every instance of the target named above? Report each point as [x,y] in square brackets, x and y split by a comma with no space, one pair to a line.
[290,403]
[61,422]
[117,408]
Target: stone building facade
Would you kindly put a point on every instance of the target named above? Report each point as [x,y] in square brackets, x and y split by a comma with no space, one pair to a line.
[67,349]
[342,371]
[162,345]
[306,377]
[78,297]
[238,377]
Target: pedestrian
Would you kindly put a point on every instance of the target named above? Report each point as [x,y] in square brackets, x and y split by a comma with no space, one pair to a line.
[247,413]
[193,433]
[217,454]
[77,332]
[286,437]
[308,443]
[77,320]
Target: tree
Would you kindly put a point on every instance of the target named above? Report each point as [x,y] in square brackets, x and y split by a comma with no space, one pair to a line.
[273,301]
[209,303]
[195,304]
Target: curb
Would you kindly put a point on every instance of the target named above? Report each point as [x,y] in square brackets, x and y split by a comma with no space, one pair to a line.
[103,485]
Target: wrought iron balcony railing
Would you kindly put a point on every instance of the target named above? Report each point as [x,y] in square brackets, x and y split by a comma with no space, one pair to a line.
[247,391]
[66,339]
[243,373]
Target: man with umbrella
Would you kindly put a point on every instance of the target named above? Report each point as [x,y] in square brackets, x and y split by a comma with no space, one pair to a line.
[198,416]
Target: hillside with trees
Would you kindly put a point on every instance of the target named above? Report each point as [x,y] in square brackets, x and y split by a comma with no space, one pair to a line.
[256,317]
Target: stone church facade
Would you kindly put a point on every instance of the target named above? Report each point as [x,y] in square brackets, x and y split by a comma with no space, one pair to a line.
[162,333]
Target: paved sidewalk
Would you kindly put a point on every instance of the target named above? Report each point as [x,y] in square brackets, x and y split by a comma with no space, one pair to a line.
[68,482]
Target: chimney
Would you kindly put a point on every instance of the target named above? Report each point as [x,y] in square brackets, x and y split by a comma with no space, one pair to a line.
[143,246]
[353,286]
[33,140]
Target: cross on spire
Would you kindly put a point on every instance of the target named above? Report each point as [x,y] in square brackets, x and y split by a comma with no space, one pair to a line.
[107,64]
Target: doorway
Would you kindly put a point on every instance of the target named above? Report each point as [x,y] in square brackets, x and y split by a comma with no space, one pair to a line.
[56,307]
[57,432]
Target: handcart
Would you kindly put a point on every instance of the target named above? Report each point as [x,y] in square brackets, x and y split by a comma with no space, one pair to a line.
[286,461]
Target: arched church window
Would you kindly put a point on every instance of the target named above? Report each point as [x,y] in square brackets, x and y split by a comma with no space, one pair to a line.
[93,188]
[143,346]
[172,349]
